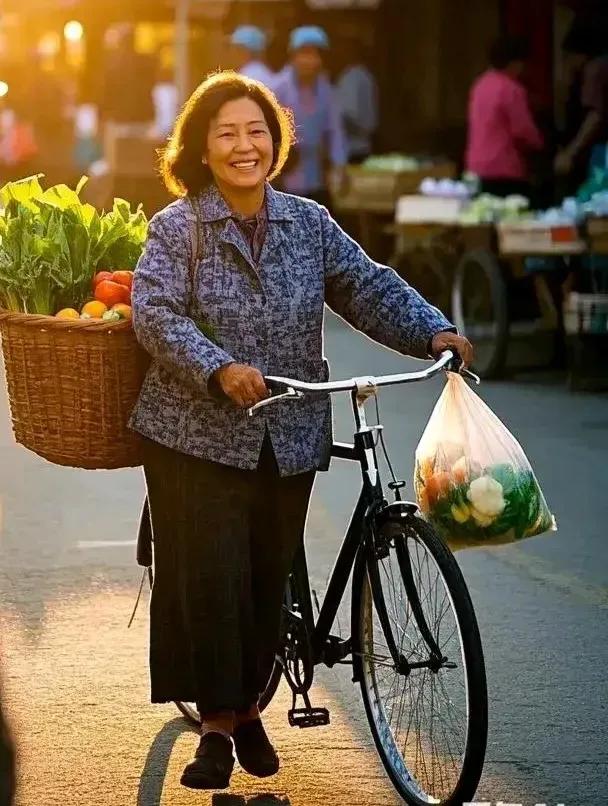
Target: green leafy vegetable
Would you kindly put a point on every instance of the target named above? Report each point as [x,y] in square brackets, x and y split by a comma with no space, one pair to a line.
[52,243]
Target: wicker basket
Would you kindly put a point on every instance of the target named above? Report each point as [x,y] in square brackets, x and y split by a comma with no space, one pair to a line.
[72,385]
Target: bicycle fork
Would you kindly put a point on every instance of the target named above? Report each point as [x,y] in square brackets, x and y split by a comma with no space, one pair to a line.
[379,548]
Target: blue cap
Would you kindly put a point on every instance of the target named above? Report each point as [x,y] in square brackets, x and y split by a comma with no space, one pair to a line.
[308,36]
[250,37]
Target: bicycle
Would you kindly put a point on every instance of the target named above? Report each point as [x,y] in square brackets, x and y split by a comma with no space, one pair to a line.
[399,642]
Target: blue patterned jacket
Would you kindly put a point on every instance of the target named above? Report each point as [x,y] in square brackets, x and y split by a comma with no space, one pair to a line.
[268,315]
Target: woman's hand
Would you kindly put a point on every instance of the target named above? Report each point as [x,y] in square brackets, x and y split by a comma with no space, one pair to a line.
[244,385]
[452,341]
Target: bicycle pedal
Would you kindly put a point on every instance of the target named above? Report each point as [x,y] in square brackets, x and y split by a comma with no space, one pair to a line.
[308,717]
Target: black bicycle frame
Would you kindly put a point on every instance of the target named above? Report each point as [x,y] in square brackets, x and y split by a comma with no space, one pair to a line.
[370,499]
[330,649]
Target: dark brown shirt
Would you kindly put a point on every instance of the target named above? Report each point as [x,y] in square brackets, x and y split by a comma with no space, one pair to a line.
[254,229]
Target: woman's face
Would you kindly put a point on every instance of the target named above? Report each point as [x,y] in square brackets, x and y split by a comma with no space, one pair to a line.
[239,145]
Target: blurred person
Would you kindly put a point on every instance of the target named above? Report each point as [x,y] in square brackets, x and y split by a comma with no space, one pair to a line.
[319,155]
[165,97]
[248,43]
[585,49]
[502,133]
[357,93]
[18,145]
[126,107]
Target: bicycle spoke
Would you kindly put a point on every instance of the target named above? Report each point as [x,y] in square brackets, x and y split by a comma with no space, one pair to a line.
[425,711]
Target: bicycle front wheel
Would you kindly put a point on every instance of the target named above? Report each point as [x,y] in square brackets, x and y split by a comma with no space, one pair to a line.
[428,718]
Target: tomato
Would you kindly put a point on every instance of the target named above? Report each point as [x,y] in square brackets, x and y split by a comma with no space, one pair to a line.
[123,277]
[111,293]
[437,486]
[100,276]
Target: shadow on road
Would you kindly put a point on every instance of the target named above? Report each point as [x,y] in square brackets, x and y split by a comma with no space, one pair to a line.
[154,771]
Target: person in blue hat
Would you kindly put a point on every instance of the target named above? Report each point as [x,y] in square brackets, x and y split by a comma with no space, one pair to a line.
[248,47]
[320,151]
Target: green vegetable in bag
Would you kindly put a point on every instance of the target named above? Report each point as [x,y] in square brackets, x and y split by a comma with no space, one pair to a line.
[473,480]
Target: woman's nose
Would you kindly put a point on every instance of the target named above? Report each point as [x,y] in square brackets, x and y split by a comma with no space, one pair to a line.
[243,142]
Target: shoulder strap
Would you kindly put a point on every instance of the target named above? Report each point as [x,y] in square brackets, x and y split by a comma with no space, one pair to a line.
[196,245]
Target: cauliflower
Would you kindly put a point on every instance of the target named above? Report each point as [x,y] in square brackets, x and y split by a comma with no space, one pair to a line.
[486,497]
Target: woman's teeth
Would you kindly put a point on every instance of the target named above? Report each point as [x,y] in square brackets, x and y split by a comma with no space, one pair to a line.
[245,165]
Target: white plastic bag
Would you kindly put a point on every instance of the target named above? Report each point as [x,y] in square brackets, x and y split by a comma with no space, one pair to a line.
[473,481]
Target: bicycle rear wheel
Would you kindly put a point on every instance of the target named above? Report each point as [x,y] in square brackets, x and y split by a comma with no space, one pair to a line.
[429,725]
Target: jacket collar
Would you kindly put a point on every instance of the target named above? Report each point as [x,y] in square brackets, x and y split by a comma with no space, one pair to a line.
[213,206]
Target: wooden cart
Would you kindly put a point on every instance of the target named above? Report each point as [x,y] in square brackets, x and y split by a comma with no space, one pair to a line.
[477,276]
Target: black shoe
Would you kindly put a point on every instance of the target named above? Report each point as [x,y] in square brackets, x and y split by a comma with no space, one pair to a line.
[212,765]
[253,749]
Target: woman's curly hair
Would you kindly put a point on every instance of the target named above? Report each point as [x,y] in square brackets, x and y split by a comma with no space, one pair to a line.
[181,166]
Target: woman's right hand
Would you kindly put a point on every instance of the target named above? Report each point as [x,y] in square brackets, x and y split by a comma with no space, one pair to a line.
[244,385]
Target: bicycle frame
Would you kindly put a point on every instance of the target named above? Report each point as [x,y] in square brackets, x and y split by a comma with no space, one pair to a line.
[327,648]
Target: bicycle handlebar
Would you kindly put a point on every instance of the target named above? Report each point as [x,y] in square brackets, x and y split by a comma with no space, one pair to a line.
[365,385]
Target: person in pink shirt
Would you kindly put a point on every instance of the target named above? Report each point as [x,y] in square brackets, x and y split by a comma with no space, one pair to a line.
[502,132]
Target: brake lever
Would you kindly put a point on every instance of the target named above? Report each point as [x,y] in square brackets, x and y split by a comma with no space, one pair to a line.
[456,365]
[471,375]
[291,393]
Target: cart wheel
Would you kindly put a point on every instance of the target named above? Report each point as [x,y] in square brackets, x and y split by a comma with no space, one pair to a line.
[480,309]
[428,271]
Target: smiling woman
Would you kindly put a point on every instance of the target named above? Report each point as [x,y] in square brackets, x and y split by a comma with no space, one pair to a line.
[228,495]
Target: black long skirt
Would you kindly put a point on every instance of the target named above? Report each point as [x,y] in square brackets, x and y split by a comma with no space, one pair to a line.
[224,542]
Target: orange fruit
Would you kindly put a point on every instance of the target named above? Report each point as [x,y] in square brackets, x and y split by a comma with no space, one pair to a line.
[94,309]
[123,310]
[67,313]
[110,293]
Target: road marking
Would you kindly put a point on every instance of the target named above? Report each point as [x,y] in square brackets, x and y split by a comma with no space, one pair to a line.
[104,544]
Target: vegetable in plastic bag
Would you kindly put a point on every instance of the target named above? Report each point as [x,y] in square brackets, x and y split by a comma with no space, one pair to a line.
[473,481]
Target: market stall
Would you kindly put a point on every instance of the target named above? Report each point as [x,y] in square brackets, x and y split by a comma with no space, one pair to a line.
[371,191]
[509,275]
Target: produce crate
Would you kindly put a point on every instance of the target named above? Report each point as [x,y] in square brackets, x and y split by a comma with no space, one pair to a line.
[72,385]
[379,190]
[536,238]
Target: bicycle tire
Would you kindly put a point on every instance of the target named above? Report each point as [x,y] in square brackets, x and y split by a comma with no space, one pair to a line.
[491,349]
[402,777]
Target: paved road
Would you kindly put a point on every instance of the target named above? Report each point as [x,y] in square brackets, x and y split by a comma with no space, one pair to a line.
[76,678]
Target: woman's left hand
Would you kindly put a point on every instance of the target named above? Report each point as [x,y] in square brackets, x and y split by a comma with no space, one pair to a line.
[452,341]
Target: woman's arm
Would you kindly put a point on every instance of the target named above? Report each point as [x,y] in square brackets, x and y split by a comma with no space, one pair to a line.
[160,298]
[374,299]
